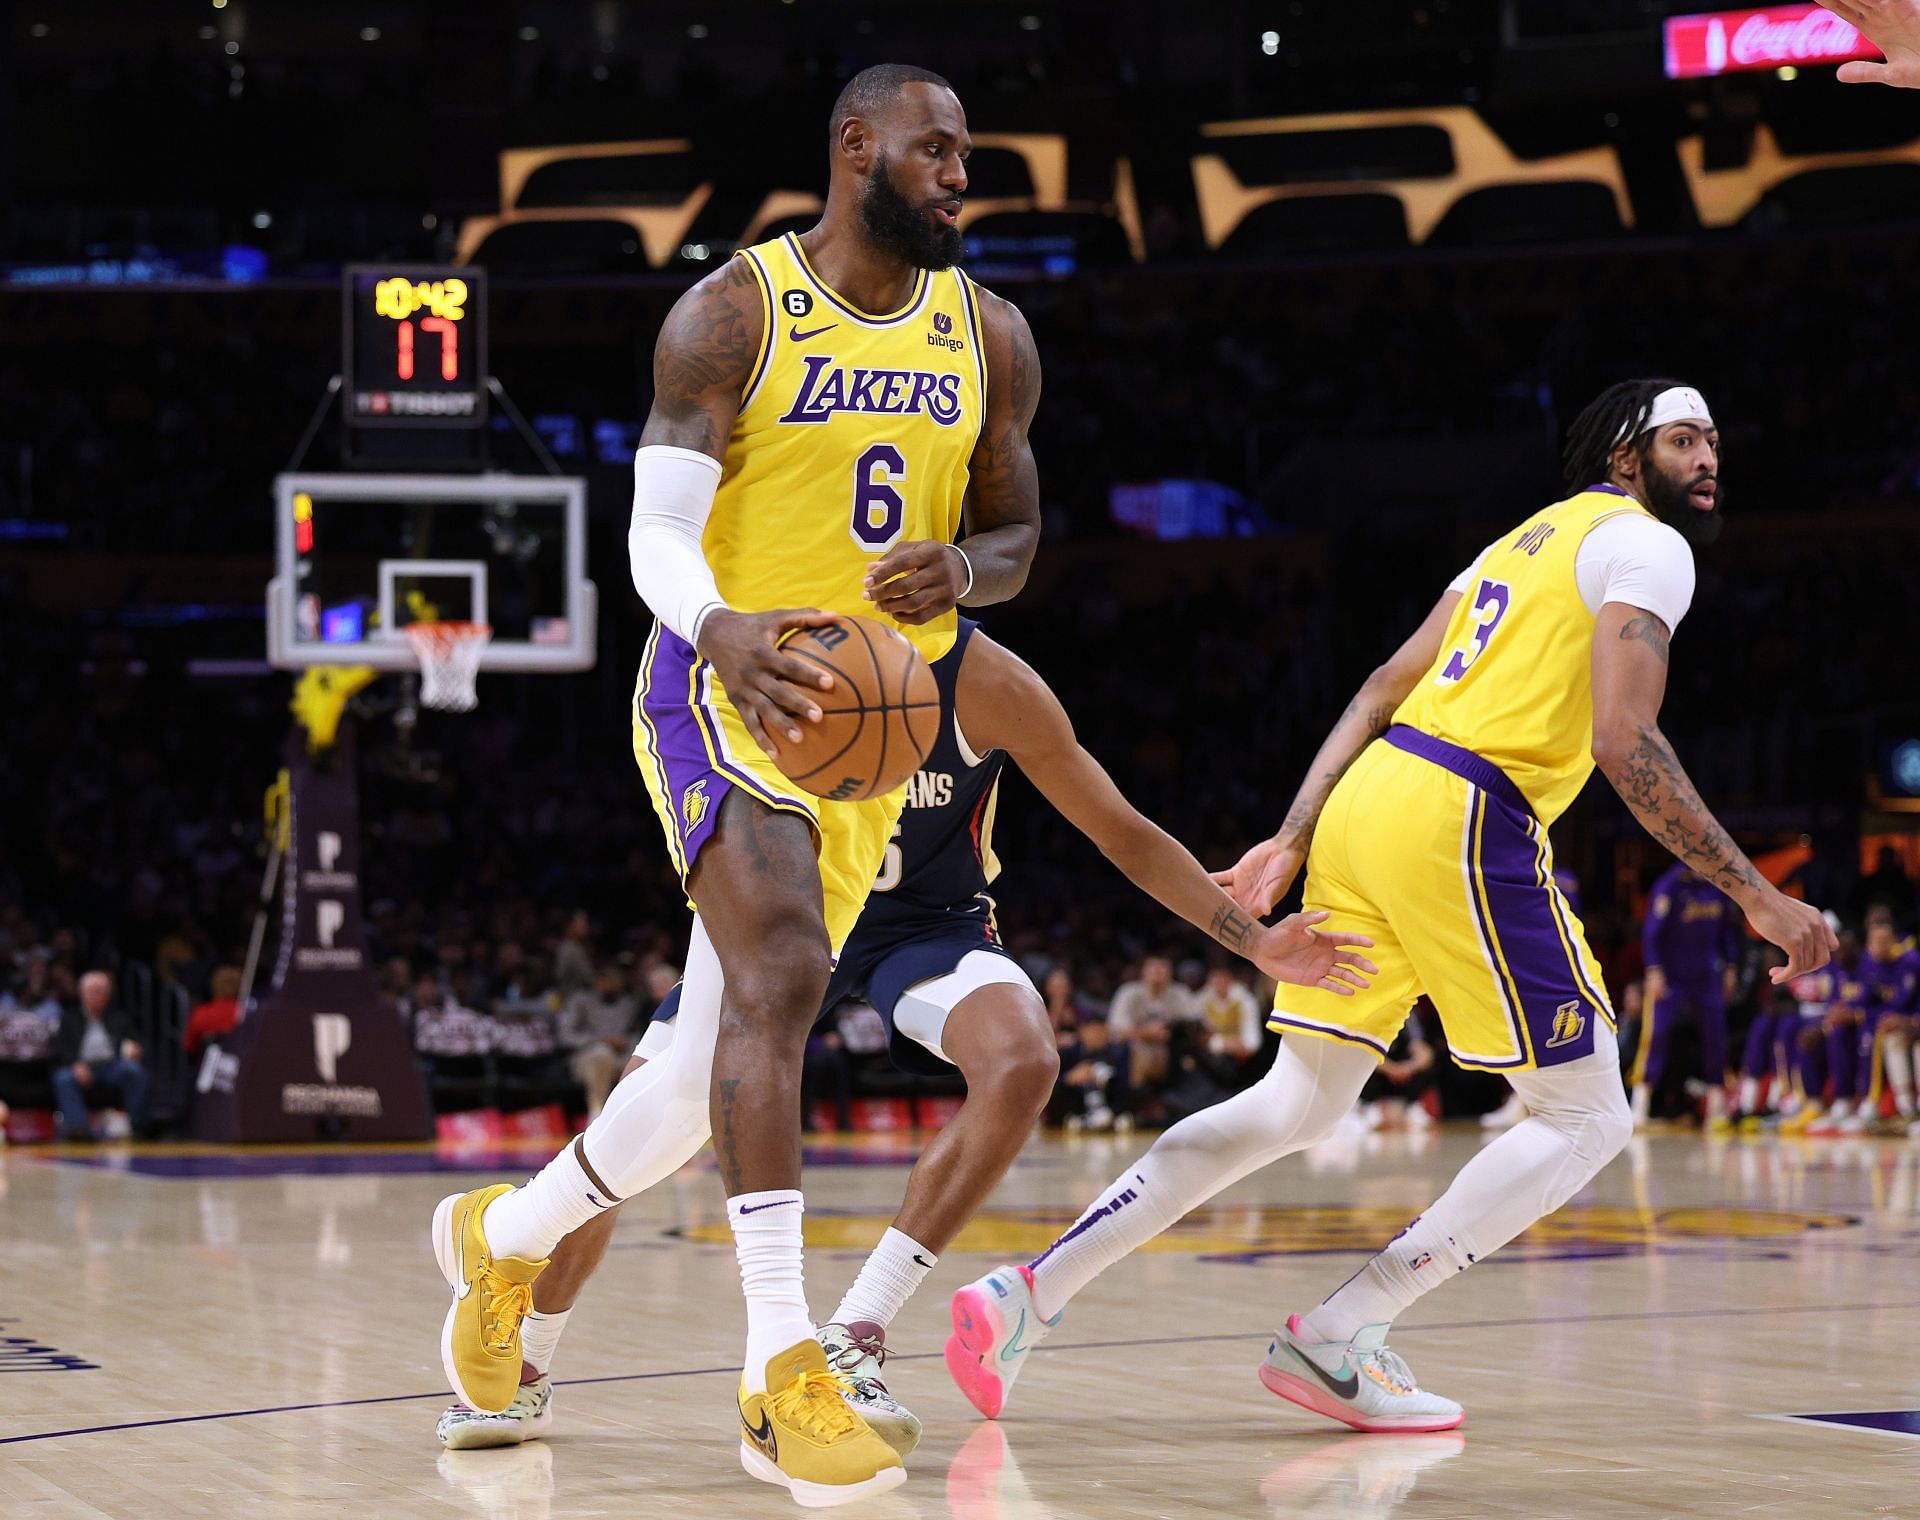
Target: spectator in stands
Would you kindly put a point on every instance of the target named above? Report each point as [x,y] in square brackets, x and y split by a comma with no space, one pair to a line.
[1143,1014]
[1093,1090]
[218,1014]
[1393,1094]
[95,1058]
[598,1026]
[34,991]
[1068,1007]
[1231,1015]
[573,957]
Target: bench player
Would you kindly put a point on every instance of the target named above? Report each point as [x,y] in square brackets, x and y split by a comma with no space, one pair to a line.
[1423,823]
[926,954]
[824,409]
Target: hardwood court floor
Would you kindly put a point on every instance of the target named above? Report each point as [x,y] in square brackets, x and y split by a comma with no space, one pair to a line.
[202,1333]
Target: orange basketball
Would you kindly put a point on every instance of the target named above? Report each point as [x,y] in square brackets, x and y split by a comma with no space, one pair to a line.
[878,722]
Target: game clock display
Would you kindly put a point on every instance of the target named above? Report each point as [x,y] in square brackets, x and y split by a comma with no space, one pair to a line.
[416,346]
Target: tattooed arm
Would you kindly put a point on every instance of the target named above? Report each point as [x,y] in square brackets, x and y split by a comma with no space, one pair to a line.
[1001,703]
[918,581]
[1264,873]
[1629,684]
[706,348]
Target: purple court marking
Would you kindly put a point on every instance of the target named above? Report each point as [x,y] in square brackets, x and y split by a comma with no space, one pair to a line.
[1886,1422]
[925,1356]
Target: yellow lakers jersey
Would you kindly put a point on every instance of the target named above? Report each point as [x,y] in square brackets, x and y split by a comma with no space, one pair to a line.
[1514,681]
[854,434]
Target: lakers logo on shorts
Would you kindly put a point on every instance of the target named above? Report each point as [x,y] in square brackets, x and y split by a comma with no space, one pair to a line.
[1568,1024]
[694,803]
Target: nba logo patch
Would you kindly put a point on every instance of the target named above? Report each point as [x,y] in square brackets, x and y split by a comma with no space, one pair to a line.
[693,804]
[1568,1024]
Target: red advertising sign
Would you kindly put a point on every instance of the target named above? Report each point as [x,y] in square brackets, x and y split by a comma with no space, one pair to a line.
[1725,42]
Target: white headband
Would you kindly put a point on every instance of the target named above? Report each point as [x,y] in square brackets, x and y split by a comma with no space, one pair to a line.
[1680,404]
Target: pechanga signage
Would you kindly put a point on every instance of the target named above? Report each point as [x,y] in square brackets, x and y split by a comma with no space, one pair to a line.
[1726,42]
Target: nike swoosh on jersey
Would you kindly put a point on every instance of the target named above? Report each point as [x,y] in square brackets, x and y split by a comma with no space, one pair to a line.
[794,334]
[1346,1387]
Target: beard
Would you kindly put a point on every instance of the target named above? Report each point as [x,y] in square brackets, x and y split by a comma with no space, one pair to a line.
[1670,497]
[898,227]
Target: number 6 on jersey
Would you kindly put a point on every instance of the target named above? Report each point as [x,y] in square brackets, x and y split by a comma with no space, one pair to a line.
[1489,607]
[878,509]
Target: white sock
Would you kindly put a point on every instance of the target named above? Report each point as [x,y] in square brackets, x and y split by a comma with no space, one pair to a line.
[540,1338]
[766,1239]
[1579,1122]
[1310,1086]
[1749,1094]
[1896,1050]
[898,1265]
[530,1221]
[654,1123]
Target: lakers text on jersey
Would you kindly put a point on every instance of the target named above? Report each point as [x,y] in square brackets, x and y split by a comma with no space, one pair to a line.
[855,433]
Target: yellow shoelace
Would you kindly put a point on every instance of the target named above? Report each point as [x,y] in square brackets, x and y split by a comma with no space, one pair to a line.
[507,1304]
[816,1402]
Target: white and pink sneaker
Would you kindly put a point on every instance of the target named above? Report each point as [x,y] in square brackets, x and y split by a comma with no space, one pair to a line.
[995,1325]
[1359,1382]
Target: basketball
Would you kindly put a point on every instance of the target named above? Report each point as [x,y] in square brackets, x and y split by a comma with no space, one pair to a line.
[879,720]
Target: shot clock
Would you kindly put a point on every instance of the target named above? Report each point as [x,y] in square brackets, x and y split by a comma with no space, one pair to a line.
[416,346]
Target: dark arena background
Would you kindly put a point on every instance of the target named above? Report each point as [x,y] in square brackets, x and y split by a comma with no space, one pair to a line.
[322,322]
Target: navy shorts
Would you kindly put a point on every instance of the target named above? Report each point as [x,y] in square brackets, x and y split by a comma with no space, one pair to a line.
[880,972]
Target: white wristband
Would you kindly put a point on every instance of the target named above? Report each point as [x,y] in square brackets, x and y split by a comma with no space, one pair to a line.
[969,564]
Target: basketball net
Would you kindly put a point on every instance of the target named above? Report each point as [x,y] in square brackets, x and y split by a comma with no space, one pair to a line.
[449,655]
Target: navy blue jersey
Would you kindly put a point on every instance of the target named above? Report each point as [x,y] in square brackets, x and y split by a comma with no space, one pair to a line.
[940,864]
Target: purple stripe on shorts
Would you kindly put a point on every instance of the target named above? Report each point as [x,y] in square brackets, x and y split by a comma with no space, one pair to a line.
[1560,1012]
[694,788]
[1464,763]
[1503,980]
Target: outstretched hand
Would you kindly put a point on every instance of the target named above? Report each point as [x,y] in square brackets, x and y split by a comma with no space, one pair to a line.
[1893,26]
[1293,950]
[1260,878]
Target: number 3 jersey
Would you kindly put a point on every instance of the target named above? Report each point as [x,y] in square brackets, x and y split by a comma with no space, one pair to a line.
[854,434]
[1514,680]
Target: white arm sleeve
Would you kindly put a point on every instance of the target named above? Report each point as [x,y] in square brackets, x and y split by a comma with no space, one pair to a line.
[1463,582]
[672,499]
[1640,561]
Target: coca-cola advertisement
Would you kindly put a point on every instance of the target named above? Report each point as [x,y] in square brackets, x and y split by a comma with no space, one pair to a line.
[1727,42]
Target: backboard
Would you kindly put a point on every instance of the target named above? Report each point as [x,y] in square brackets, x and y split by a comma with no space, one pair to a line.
[358,557]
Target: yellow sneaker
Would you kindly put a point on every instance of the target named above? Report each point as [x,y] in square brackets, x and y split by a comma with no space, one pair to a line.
[480,1341]
[802,1435]
[1797,1122]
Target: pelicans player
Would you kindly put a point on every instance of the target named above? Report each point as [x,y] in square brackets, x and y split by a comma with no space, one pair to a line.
[823,407]
[1424,824]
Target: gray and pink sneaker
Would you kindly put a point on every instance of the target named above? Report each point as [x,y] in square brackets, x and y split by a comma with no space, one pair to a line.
[1358,1382]
[995,1325]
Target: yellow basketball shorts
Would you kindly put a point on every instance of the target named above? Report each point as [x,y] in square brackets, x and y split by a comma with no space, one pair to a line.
[1433,852]
[693,748]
